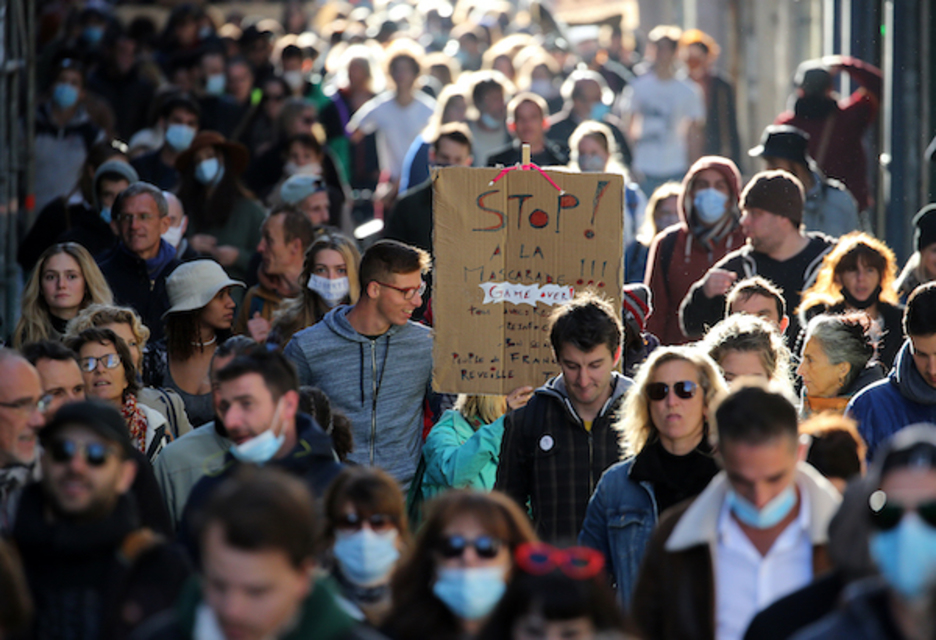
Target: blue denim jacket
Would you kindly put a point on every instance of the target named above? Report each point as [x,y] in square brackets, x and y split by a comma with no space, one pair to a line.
[620,518]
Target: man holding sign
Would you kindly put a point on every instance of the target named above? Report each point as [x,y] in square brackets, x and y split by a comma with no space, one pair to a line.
[556,448]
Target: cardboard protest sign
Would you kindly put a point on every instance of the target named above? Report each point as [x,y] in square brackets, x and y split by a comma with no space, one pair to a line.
[505,255]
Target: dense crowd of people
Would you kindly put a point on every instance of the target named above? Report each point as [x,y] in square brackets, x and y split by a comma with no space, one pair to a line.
[217,417]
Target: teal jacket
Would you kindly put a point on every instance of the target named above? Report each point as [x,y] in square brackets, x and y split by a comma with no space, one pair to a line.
[457,456]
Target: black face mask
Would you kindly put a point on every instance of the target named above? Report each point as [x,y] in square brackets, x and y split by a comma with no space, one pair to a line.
[861,305]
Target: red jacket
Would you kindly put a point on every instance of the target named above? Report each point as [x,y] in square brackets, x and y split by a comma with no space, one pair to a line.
[680,256]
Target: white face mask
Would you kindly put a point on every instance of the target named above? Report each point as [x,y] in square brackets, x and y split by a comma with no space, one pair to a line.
[311,169]
[173,236]
[332,291]
[261,448]
[293,78]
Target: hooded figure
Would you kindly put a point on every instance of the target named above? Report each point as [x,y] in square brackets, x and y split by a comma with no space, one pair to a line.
[708,229]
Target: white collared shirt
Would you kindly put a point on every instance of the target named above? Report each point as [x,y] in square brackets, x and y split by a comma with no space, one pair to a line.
[747,582]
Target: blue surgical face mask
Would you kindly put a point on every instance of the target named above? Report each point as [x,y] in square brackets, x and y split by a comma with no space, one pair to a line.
[470,593]
[259,449]
[106,214]
[591,162]
[366,557]
[215,83]
[599,110]
[772,513]
[331,291]
[490,121]
[179,136]
[906,556]
[65,95]
[709,205]
[208,171]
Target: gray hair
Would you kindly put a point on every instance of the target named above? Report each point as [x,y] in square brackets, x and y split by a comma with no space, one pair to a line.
[137,189]
[843,338]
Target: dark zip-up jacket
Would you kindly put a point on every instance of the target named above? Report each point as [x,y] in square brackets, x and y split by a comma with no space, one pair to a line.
[549,459]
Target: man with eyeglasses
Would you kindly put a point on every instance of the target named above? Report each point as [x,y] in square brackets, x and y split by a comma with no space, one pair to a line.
[373,362]
[92,570]
[758,531]
[137,268]
[901,512]
[21,417]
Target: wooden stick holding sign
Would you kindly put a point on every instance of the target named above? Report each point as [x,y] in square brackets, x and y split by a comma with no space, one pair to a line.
[511,245]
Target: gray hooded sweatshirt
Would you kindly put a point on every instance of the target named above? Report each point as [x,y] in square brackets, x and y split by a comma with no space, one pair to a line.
[379,384]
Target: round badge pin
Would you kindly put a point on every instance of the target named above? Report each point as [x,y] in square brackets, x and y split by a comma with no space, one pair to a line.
[546,443]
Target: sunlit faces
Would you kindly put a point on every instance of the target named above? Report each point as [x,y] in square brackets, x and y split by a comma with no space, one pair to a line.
[710,179]
[737,364]
[528,120]
[680,422]
[450,153]
[77,488]
[757,305]
[248,409]
[821,378]
[587,375]
[101,382]
[923,349]
[392,305]
[315,208]
[141,226]
[765,231]
[20,419]
[330,264]
[276,255]
[468,528]
[589,146]
[861,281]
[760,472]
[61,381]
[255,594]
[666,213]
[125,333]
[218,314]
[63,285]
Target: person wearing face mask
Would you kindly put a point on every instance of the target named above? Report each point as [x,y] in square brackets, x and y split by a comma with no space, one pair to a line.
[490,91]
[258,400]
[179,117]
[858,275]
[287,233]
[330,274]
[901,517]
[224,218]
[459,567]
[708,229]
[64,134]
[757,532]
[178,225]
[587,98]
[366,531]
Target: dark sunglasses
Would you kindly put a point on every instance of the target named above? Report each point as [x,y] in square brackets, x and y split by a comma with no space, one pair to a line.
[887,515]
[64,451]
[684,389]
[486,547]
[578,563]
[377,522]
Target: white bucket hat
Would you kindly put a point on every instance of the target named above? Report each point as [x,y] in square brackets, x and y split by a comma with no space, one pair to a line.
[193,284]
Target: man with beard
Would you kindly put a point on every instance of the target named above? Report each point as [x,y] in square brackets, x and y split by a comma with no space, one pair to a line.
[92,570]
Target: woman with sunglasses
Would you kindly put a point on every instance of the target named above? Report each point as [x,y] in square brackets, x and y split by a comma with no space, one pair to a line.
[664,425]
[459,566]
[556,593]
[109,375]
[366,531]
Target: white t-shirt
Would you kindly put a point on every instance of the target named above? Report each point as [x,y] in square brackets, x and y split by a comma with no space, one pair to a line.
[396,126]
[663,110]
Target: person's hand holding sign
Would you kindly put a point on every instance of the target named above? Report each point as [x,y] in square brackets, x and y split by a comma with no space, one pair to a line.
[518,398]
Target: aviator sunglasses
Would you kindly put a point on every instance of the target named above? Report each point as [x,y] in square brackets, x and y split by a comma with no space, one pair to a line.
[886,515]
[486,547]
[684,389]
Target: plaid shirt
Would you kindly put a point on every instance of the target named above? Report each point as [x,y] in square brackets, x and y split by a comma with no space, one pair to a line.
[550,462]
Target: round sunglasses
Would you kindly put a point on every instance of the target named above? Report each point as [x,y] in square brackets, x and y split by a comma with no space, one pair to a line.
[684,389]
[486,547]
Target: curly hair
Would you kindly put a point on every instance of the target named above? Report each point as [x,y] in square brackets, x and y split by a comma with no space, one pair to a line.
[34,324]
[843,338]
[105,336]
[101,315]
[747,333]
[851,250]
[633,422]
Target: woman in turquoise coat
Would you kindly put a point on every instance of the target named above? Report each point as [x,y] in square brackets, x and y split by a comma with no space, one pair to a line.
[463,448]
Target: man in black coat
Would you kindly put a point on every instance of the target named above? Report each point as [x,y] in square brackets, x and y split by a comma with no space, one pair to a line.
[137,268]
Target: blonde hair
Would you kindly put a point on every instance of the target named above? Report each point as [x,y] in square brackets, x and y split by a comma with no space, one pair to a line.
[34,324]
[101,315]
[308,307]
[633,422]
[485,408]
[662,193]
[850,250]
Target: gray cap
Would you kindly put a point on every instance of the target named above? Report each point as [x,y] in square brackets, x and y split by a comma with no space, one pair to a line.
[111,167]
[300,187]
